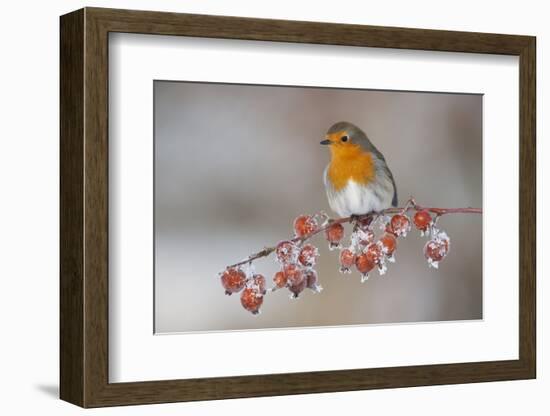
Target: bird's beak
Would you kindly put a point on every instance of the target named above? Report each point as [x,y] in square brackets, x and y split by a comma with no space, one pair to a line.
[327,141]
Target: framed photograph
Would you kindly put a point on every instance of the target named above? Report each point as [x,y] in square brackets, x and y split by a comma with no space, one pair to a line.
[255,207]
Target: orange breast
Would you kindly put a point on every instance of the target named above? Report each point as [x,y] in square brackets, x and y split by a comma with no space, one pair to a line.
[350,163]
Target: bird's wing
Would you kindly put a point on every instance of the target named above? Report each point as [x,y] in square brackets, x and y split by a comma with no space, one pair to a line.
[387,171]
[394,200]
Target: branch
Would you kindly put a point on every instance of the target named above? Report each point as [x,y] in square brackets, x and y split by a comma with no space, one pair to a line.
[411,205]
[364,253]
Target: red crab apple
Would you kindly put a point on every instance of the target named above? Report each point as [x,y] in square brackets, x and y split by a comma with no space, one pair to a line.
[286,252]
[296,281]
[364,265]
[422,220]
[399,225]
[374,252]
[297,288]
[389,244]
[252,300]
[312,280]
[334,234]
[259,283]
[304,224]
[347,260]
[436,249]
[307,255]
[293,274]
[280,279]
[233,280]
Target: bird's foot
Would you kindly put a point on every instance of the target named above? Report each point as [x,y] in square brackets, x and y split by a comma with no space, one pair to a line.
[363,220]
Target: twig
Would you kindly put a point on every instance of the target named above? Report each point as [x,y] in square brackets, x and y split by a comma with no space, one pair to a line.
[410,205]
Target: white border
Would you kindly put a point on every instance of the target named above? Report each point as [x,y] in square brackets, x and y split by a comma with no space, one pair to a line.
[135,354]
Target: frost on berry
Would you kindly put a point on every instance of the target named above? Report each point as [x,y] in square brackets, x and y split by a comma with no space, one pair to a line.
[399,225]
[362,237]
[296,289]
[385,223]
[312,281]
[304,224]
[422,220]
[251,300]
[286,252]
[389,244]
[258,283]
[334,234]
[374,252]
[280,279]
[364,223]
[307,255]
[382,268]
[233,280]
[347,260]
[322,219]
[364,265]
[296,281]
[437,248]
[293,274]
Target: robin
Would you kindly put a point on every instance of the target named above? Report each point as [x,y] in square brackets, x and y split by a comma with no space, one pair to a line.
[357,179]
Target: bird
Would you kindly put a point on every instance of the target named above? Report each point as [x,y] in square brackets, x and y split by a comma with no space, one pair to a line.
[357,179]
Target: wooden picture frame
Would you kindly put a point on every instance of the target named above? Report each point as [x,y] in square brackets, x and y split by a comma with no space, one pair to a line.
[84,207]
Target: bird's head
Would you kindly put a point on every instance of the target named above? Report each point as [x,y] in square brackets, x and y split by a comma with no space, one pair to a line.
[346,139]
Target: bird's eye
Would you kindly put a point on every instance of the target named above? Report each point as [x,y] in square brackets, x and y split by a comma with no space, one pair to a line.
[344,138]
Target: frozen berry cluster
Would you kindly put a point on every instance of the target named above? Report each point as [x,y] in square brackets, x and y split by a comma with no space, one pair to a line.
[297,259]
[365,252]
[253,287]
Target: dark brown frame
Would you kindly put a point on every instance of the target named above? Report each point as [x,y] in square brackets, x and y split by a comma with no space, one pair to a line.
[84,211]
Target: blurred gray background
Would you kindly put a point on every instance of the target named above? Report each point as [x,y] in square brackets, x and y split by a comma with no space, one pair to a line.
[235,164]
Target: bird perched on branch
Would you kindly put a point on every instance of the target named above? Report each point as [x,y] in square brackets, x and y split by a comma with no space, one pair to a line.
[357,179]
